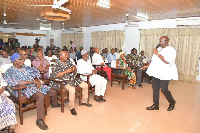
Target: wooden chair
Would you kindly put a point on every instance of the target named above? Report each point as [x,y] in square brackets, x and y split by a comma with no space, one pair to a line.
[100,71]
[30,102]
[119,77]
[90,87]
[63,94]
[46,81]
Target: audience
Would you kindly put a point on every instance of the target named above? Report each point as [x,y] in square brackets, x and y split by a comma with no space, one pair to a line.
[64,69]
[22,75]
[51,58]
[84,66]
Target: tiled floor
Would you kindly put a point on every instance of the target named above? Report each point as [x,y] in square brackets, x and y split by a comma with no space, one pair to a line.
[124,112]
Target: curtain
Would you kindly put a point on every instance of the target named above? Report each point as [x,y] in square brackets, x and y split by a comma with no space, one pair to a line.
[108,39]
[186,42]
[77,38]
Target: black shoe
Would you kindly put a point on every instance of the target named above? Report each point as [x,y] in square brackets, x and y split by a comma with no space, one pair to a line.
[152,107]
[24,105]
[54,106]
[101,99]
[40,123]
[140,85]
[97,99]
[73,111]
[148,82]
[171,106]
[86,104]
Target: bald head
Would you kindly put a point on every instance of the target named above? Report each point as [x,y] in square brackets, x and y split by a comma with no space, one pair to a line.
[64,56]
[96,50]
[164,41]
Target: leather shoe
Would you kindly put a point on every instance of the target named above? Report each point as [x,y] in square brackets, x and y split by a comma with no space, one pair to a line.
[40,123]
[54,106]
[73,111]
[86,104]
[171,106]
[97,99]
[152,107]
[101,99]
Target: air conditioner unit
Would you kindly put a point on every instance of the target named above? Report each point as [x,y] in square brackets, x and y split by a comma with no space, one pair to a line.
[78,30]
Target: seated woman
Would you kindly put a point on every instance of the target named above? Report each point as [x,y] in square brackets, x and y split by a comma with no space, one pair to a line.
[7,109]
[121,63]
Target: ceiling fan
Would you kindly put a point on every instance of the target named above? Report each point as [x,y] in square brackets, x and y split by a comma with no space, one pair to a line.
[128,23]
[5,22]
[56,5]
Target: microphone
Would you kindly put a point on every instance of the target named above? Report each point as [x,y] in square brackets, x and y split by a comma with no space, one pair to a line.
[158,45]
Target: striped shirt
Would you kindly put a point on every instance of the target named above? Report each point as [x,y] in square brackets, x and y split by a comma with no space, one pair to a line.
[13,76]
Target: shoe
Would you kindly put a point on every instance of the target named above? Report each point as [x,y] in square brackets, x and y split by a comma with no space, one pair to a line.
[73,111]
[152,107]
[24,105]
[101,99]
[40,123]
[97,99]
[54,106]
[171,106]
[140,85]
[86,104]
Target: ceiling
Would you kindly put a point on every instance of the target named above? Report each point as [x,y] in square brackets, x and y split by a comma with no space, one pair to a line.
[88,13]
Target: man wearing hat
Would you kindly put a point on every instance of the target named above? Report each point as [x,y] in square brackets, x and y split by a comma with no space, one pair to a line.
[64,69]
[84,66]
[20,74]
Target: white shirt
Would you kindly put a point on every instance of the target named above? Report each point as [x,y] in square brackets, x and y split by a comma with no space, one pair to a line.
[97,59]
[51,58]
[84,67]
[117,55]
[27,62]
[161,70]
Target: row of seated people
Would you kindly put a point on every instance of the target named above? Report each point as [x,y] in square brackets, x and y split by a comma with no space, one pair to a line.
[20,74]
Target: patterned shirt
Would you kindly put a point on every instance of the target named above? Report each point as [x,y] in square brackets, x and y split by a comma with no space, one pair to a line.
[135,59]
[70,78]
[13,76]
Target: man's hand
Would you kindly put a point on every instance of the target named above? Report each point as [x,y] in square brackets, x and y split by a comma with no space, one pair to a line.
[155,51]
[94,71]
[38,84]
[102,64]
[144,67]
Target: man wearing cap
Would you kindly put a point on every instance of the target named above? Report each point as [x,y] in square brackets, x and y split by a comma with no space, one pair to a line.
[22,75]
[64,69]
[84,66]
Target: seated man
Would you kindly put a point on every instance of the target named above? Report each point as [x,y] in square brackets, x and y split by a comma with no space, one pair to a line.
[19,74]
[84,66]
[98,60]
[24,55]
[41,64]
[4,59]
[64,69]
[111,57]
[51,58]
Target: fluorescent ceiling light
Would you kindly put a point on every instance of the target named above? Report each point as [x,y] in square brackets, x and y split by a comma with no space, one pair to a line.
[104,3]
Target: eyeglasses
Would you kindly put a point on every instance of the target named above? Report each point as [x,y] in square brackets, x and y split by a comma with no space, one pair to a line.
[21,59]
